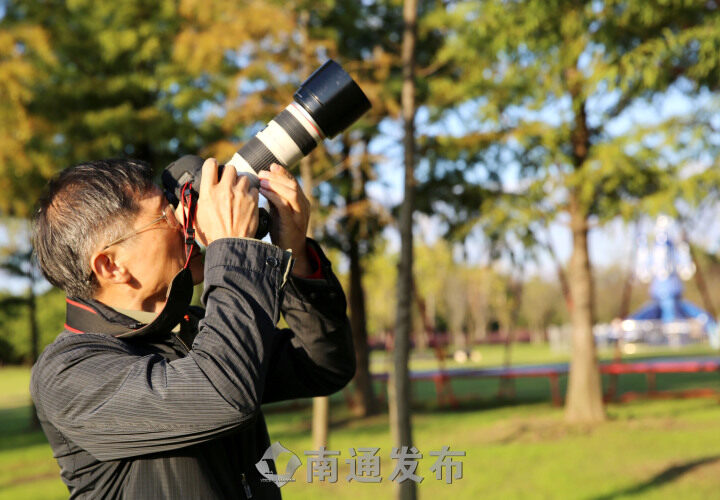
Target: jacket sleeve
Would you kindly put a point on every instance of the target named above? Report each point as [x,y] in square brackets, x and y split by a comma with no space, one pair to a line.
[116,402]
[315,356]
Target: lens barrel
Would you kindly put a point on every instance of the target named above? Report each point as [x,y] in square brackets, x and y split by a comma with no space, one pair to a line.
[327,103]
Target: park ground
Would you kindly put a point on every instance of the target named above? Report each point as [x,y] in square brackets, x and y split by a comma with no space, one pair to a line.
[520,449]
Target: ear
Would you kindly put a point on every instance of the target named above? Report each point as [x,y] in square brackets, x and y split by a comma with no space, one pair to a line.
[108,269]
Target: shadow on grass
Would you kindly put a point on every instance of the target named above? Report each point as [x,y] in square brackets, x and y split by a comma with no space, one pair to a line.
[667,476]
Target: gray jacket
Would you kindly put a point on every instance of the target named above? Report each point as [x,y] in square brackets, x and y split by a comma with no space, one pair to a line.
[178,415]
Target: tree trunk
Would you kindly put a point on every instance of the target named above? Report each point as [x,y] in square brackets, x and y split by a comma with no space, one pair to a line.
[624,308]
[626,296]
[423,336]
[477,306]
[364,396]
[562,277]
[428,329]
[457,307]
[320,421]
[399,386]
[700,282]
[584,398]
[507,384]
[365,403]
[584,401]
[321,405]
[307,181]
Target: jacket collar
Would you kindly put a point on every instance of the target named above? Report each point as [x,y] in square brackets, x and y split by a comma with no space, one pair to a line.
[95,317]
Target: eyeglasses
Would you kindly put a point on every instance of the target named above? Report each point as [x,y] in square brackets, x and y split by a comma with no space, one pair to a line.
[169,217]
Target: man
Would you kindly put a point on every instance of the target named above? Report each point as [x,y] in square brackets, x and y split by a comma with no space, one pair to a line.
[142,396]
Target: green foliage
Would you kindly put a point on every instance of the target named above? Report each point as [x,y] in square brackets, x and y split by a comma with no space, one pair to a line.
[23,49]
[153,80]
[14,324]
[554,88]
[103,94]
[157,80]
[464,299]
[545,92]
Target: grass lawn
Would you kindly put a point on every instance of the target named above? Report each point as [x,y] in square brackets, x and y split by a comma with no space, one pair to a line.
[646,449]
[27,467]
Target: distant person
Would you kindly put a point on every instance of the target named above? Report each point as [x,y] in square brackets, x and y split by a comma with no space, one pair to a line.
[143,396]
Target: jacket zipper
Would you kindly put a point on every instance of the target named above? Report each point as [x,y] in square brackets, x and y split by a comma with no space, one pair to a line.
[246,486]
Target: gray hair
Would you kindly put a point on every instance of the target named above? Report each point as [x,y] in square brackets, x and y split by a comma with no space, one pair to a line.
[85,205]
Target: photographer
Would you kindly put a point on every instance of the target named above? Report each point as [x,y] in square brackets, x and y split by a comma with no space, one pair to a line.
[144,396]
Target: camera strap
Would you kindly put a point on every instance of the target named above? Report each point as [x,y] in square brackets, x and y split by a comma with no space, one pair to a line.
[188,199]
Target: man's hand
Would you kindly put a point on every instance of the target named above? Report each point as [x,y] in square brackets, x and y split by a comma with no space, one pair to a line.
[227,208]
[289,214]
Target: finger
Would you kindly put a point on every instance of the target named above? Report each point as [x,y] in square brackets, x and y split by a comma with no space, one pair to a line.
[277,181]
[279,169]
[255,215]
[277,177]
[292,196]
[276,168]
[229,176]
[243,184]
[280,204]
[209,175]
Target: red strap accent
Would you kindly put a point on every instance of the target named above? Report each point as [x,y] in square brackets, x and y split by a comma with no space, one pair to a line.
[314,257]
[74,330]
[81,306]
[188,220]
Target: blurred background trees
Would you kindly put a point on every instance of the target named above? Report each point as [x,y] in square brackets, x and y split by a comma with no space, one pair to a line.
[534,119]
[551,92]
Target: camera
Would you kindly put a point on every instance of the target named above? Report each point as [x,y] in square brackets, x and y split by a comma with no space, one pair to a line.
[324,105]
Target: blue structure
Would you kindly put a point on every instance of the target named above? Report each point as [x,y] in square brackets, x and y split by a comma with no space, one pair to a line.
[667,318]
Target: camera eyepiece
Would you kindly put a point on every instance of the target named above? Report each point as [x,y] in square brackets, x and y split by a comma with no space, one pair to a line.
[188,169]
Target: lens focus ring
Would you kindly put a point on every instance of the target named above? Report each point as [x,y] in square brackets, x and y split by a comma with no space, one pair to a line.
[258,155]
